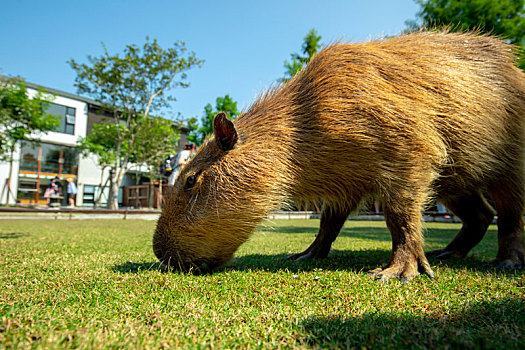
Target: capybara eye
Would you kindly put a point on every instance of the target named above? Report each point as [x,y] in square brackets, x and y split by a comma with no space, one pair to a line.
[191,181]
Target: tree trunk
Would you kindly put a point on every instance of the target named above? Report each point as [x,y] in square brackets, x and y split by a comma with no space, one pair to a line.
[137,192]
[113,193]
[151,193]
[160,199]
[116,179]
[101,188]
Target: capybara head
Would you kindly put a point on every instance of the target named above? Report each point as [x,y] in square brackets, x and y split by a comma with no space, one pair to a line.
[204,220]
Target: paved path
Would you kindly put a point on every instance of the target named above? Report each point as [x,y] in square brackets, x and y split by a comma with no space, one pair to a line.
[127,214]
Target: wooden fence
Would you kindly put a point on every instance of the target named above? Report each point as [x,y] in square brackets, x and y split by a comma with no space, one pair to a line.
[143,196]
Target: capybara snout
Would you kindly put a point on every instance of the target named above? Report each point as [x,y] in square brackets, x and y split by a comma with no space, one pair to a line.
[186,257]
[428,115]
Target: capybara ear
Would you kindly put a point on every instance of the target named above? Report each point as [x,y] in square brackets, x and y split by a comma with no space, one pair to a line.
[224,132]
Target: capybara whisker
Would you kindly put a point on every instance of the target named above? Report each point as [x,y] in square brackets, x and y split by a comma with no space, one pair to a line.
[193,202]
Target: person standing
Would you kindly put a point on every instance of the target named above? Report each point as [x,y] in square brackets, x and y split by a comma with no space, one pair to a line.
[182,159]
[71,192]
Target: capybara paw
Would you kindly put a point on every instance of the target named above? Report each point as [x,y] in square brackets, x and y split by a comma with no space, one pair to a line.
[444,254]
[305,256]
[292,257]
[297,257]
[385,275]
[309,254]
[505,264]
[403,272]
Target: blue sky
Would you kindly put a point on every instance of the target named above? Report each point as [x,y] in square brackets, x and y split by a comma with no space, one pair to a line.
[244,43]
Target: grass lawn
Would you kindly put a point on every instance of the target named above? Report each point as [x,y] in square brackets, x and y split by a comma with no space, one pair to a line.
[93,284]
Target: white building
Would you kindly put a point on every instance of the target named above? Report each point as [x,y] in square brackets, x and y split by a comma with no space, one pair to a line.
[34,165]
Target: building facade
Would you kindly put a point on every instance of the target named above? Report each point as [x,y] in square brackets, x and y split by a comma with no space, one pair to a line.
[56,154]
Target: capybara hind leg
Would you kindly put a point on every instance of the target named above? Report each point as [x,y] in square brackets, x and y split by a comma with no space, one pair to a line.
[476,215]
[332,220]
[509,199]
[408,259]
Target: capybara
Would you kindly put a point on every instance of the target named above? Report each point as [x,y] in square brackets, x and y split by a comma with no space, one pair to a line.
[427,115]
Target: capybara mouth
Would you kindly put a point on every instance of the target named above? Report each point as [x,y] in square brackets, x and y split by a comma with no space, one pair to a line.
[198,266]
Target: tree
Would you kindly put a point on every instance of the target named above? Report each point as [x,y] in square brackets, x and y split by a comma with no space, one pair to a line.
[222,104]
[150,152]
[311,45]
[193,126]
[101,142]
[21,118]
[500,17]
[130,88]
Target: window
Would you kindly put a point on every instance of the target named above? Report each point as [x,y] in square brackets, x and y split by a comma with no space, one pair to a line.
[66,115]
[53,159]
[89,195]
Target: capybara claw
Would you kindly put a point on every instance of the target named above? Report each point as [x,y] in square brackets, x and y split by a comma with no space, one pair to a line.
[303,257]
[434,253]
[425,269]
[443,254]
[375,272]
[297,257]
[293,257]
[391,273]
[379,275]
[403,273]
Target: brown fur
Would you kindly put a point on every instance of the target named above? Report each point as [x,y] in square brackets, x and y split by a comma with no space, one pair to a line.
[422,115]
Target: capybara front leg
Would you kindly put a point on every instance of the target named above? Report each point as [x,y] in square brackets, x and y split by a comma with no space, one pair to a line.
[476,215]
[332,220]
[407,259]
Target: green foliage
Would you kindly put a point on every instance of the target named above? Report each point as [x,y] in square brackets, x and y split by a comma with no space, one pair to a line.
[21,116]
[193,126]
[500,17]
[130,87]
[139,80]
[98,285]
[102,141]
[311,45]
[222,104]
[156,140]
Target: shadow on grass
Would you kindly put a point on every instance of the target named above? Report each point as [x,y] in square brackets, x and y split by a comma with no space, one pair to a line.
[490,324]
[12,235]
[137,267]
[435,238]
[359,261]
[376,233]
[338,260]
[346,260]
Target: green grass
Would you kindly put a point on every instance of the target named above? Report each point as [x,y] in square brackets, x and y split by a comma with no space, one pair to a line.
[93,284]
